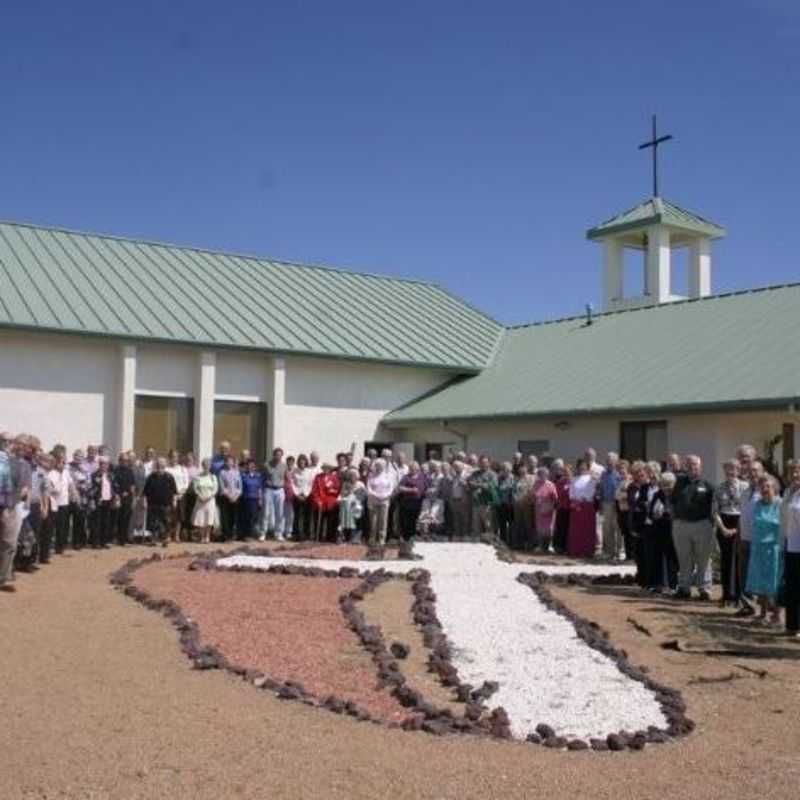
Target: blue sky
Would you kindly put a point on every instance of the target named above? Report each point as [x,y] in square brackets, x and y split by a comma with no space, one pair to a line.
[469,143]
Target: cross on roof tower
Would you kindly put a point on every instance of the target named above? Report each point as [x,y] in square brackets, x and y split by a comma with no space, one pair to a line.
[653,144]
[655,228]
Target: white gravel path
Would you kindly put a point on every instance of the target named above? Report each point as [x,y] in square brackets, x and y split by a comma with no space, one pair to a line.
[501,631]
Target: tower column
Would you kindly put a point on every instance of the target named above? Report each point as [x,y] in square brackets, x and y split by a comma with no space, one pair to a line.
[205,387]
[127,396]
[613,288]
[276,429]
[700,268]
[658,264]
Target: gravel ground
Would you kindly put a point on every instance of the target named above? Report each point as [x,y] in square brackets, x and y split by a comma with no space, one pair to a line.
[349,552]
[389,607]
[501,631]
[287,626]
[98,703]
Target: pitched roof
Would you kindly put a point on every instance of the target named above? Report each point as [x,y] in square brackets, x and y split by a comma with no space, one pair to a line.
[57,280]
[731,350]
[652,211]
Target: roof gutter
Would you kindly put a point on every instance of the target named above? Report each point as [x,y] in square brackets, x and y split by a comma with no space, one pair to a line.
[790,404]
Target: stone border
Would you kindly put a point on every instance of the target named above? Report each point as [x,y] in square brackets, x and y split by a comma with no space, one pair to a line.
[670,700]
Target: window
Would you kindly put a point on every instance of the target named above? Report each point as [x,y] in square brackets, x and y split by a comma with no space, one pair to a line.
[439,450]
[646,441]
[242,424]
[534,447]
[164,423]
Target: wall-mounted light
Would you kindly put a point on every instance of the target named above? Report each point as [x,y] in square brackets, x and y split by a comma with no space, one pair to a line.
[562,425]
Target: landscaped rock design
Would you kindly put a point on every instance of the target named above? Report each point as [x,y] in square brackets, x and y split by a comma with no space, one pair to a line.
[543,667]
[522,664]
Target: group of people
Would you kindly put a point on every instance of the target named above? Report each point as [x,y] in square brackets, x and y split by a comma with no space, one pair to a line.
[668,519]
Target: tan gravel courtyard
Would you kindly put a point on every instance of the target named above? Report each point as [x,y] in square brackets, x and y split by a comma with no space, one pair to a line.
[97,701]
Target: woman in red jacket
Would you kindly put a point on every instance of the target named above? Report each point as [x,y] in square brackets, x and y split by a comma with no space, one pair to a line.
[325,502]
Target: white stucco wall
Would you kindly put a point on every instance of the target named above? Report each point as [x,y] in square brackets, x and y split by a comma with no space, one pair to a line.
[330,404]
[713,437]
[166,370]
[59,388]
[69,389]
[244,375]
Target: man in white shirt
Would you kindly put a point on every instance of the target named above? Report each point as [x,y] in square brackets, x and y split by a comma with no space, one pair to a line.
[314,465]
[61,488]
[596,470]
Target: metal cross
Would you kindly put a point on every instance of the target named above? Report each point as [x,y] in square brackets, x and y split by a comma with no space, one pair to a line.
[654,143]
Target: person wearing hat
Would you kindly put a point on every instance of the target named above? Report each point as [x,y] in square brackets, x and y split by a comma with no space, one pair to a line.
[9,529]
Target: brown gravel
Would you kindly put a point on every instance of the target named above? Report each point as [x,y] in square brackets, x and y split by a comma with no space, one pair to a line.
[287,626]
[97,702]
[348,552]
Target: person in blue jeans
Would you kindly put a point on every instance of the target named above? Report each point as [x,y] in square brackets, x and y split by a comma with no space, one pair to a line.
[252,499]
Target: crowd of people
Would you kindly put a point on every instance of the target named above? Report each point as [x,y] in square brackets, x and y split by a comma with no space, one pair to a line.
[668,518]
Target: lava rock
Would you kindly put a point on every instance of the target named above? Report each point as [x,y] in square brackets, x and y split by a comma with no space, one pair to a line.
[545,731]
[637,742]
[399,650]
[598,745]
[615,742]
[555,742]
[577,744]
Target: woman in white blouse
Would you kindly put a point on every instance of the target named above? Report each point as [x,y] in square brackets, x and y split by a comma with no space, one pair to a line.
[181,477]
[380,487]
[582,537]
[302,478]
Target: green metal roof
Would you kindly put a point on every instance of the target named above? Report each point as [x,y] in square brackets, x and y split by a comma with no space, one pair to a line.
[733,350]
[63,281]
[652,211]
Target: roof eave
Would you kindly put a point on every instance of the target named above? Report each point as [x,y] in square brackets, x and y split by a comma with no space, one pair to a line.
[467,369]
[601,232]
[754,404]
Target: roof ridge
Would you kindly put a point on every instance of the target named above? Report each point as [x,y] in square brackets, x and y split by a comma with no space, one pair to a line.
[623,213]
[220,252]
[683,301]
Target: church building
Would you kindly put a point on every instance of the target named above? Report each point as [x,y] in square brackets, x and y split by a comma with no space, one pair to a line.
[131,343]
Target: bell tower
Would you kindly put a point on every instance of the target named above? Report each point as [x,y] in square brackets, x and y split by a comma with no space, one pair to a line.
[655,228]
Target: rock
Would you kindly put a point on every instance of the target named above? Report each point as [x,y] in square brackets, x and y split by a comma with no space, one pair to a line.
[555,742]
[637,742]
[435,727]
[399,650]
[289,693]
[577,744]
[599,745]
[615,742]
[545,731]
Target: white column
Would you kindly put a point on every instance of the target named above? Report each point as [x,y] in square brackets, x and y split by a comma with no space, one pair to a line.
[127,396]
[700,268]
[276,429]
[613,278]
[205,388]
[658,264]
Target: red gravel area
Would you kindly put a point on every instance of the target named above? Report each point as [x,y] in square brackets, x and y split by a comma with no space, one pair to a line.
[287,626]
[349,552]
